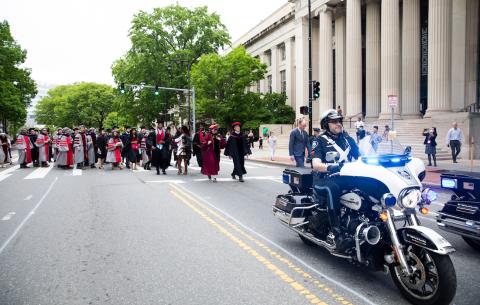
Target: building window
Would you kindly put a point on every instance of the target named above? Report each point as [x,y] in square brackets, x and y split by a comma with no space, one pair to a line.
[258,86]
[283,81]
[281,49]
[268,58]
[269,83]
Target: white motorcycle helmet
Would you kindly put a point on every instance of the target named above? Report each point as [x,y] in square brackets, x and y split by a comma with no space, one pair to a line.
[327,115]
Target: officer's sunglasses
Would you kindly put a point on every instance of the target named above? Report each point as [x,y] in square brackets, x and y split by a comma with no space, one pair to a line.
[336,121]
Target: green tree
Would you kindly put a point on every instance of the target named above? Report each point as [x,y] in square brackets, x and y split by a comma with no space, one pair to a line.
[165,43]
[16,86]
[276,104]
[222,84]
[81,103]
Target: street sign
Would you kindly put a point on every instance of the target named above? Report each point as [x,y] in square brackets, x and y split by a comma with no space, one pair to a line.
[392,101]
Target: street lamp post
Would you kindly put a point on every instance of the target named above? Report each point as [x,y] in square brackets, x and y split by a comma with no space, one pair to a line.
[310,85]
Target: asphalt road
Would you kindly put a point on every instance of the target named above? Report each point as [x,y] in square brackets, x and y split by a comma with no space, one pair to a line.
[123,237]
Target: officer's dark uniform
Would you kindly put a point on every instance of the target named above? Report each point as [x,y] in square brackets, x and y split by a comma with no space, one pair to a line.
[325,185]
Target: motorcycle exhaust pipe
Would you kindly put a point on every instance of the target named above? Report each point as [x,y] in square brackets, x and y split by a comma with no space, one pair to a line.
[371,235]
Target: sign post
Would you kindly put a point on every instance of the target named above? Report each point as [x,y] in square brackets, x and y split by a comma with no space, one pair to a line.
[392,103]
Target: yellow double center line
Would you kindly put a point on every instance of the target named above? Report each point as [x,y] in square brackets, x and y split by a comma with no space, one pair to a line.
[197,206]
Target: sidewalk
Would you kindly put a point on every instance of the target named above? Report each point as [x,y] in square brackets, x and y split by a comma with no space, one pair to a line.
[432,178]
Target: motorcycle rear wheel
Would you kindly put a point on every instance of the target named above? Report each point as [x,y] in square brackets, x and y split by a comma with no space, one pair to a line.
[474,243]
[433,280]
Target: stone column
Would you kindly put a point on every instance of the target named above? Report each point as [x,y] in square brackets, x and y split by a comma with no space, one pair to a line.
[439,56]
[288,71]
[301,64]
[459,27]
[326,59]
[372,45]
[274,69]
[353,58]
[411,59]
[390,76]
[340,61]
[263,82]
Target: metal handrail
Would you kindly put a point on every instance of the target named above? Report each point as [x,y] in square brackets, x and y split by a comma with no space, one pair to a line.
[474,107]
[355,115]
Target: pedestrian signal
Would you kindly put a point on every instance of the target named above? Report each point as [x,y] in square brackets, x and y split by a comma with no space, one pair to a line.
[316,89]
[304,110]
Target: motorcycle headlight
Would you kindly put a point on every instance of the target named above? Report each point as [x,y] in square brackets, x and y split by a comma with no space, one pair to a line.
[410,199]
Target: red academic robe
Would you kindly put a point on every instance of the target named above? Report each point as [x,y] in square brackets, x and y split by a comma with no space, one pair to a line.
[211,154]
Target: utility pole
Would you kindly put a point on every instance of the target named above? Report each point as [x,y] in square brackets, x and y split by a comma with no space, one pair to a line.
[310,85]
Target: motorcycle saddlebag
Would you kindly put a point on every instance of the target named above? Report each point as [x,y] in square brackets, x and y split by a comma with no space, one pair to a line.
[300,178]
[287,202]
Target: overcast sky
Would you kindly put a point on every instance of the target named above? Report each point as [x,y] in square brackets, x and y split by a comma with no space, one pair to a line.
[78,40]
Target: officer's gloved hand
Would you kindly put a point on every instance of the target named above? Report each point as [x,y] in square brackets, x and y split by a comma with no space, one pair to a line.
[334,168]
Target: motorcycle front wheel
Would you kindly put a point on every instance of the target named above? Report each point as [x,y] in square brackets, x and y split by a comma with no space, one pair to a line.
[433,280]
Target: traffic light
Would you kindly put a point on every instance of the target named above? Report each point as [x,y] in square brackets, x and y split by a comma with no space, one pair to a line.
[316,89]
[304,110]
[157,92]
[122,88]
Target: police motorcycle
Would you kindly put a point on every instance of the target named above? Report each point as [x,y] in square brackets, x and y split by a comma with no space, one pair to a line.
[461,214]
[379,227]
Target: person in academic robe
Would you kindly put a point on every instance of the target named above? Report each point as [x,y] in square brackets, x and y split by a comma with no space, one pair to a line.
[93,160]
[91,154]
[24,147]
[34,149]
[144,151]
[237,148]
[197,144]
[125,138]
[114,150]
[65,149]
[158,143]
[42,143]
[133,148]
[211,147]
[80,146]
[4,145]
[102,141]
[184,150]
[56,137]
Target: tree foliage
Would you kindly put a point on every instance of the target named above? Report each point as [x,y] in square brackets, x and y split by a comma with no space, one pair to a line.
[165,43]
[222,84]
[16,86]
[81,103]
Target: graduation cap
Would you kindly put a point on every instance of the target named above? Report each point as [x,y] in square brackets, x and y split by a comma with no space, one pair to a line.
[236,123]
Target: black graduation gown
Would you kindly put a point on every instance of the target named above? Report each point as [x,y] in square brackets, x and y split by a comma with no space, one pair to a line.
[197,148]
[237,148]
[160,157]
[34,148]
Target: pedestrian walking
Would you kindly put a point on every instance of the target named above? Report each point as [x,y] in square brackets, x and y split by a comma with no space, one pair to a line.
[260,143]
[42,143]
[102,142]
[454,140]
[214,143]
[237,148]
[144,151]
[114,153]
[197,144]
[251,138]
[430,145]
[34,149]
[272,145]
[80,146]
[125,138]
[133,148]
[184,150]
[24,147]
[298,143]
[4,144]
[375,138]
[386,131]
[158,143]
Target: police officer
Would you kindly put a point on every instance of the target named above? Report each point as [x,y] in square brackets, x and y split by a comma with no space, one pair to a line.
[333,149]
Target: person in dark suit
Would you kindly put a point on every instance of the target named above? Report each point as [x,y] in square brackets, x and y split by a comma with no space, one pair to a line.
[298,143]
[430,145]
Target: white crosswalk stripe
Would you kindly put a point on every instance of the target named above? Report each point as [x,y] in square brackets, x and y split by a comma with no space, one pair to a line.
[39,173]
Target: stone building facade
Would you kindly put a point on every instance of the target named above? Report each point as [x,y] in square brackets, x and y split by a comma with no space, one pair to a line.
[425,52]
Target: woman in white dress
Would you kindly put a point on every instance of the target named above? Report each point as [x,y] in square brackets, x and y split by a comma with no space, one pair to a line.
[272,144]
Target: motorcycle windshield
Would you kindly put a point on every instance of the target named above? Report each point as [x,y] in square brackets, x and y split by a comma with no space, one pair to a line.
[387,152]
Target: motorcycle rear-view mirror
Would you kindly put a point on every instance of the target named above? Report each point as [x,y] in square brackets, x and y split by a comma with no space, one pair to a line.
[332,156]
